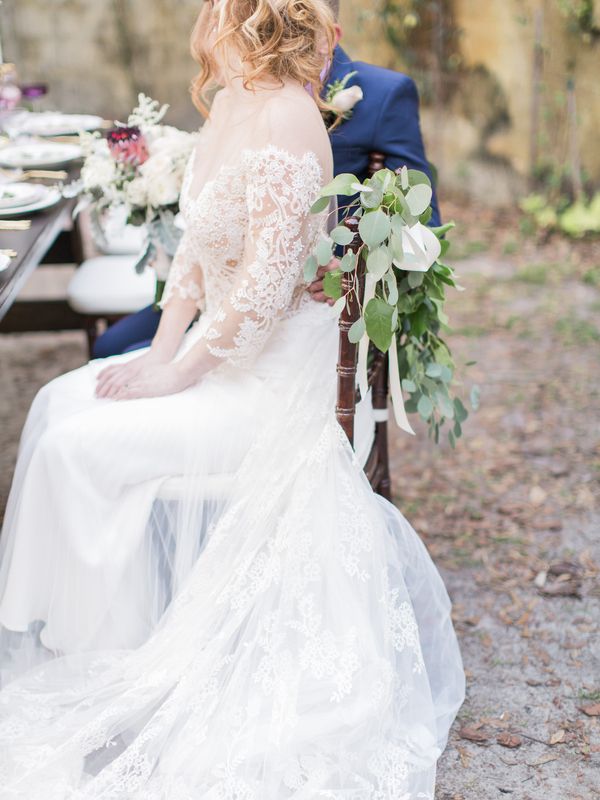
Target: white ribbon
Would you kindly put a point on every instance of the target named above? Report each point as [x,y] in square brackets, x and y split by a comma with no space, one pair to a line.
[363,347]
[362,370]
[396,390]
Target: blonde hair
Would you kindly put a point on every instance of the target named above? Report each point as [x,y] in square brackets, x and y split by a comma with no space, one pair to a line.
[274,39]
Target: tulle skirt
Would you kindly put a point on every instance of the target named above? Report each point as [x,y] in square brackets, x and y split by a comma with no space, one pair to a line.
[202,598]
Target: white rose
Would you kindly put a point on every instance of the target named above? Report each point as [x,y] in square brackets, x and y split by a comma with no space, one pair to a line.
[344,101]
[98,171]
[136,192]
[163,181]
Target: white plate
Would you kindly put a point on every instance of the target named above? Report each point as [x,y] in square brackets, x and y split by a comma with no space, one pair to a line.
[49,198]
[13,195]
[53,123]
[39,155]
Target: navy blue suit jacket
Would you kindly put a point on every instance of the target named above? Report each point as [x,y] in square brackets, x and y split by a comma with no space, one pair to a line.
[386,120]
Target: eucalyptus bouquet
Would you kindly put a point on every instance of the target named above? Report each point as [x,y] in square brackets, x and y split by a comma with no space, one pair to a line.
[402,309]
[138,171]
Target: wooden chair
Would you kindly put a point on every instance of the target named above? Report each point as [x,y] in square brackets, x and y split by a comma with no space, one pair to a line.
[377,467]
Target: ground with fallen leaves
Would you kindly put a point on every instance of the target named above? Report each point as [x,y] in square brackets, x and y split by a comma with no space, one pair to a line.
[511,516]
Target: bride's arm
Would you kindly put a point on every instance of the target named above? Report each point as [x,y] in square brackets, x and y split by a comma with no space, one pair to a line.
[183,296]
[279,193]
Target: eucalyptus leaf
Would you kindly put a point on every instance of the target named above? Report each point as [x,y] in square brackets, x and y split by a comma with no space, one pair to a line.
[396,247]
[417,177]
[425,407]
[374,228]
[357,331]
[378,319]
[460,412]
[320,205]
[452,440]
[342,235]
[419,198]
[415,279]
[404,182]
[348,262]
[426,216]
[372,199]
[447,374]
[342,184]
[441,230]
[324,252]
[310,269]
[475,397]
[409,386]
[338,306]
[392,288]
[445,405]
[433,370]
[332,284]
[378,262]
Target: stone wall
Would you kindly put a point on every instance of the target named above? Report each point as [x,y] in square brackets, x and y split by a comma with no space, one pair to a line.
[97,54]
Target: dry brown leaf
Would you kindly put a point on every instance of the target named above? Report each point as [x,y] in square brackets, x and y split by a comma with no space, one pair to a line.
[558,737]
[465,759]
[591,711]
[509,740]
[473,734]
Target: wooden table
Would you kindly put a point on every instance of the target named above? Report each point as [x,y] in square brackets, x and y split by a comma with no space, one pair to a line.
[52,239]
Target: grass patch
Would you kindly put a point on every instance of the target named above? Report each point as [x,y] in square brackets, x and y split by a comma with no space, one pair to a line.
[574,331]
[534,274]
[592,276]
[594,696]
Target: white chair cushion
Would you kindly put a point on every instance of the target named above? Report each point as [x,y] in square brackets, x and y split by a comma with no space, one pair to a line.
[110,285]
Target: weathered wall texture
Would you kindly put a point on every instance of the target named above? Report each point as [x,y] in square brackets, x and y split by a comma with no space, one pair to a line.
[97,54]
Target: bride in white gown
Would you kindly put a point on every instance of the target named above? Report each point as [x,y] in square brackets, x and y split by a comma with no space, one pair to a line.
[201,597]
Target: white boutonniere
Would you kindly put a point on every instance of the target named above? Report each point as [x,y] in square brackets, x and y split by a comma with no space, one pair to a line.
[342,99]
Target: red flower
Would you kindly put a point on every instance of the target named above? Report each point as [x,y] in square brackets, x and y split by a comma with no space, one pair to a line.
[128,145]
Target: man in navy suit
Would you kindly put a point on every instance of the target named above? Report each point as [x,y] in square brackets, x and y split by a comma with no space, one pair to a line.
[386,120]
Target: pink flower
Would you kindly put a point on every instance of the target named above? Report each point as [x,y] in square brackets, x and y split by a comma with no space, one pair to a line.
[128,145]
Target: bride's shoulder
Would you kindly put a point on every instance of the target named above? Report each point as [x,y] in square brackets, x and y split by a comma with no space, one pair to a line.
[293,123]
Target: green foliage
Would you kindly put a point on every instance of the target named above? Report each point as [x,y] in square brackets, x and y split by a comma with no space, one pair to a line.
[576,219]
[410,288]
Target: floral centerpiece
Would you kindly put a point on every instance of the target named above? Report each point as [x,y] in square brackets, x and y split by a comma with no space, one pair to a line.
[406,279]
[136,173]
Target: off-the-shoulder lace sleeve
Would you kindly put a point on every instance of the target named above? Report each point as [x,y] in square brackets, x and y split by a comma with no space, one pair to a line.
[185,276]
[281,188]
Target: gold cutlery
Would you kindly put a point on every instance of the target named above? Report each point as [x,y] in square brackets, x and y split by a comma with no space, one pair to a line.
[55,174]
[15,225]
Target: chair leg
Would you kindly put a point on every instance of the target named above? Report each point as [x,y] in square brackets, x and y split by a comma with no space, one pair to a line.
[380,403]
[90,326]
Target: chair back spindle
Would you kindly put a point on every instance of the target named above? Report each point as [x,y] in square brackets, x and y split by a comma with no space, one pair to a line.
[377,466]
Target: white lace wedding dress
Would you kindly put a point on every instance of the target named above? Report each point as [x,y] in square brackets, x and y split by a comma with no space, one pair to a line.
[271,630]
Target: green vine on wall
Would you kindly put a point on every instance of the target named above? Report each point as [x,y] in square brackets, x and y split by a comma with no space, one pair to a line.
[580,18]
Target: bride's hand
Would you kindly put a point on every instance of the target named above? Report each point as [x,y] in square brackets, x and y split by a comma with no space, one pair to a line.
[111,380]
[150,380]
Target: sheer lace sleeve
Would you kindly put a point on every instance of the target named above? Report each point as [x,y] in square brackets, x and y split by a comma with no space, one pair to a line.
[185,276]
[280,233]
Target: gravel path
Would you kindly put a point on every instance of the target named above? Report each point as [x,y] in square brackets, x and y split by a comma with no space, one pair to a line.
[511,516]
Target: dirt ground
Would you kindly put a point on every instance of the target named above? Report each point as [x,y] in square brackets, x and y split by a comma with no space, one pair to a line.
[511,516]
